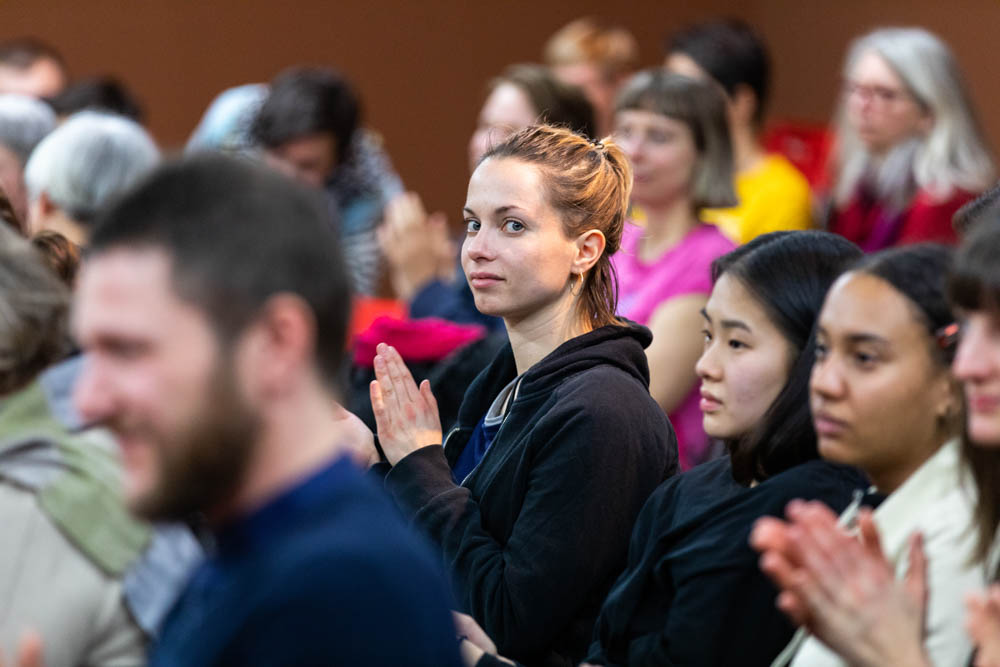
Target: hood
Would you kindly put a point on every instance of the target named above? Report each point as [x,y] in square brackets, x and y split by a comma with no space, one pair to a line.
[622,347]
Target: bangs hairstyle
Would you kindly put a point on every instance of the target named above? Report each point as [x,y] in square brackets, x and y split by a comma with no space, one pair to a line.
[974,279]
[974,284]
[788,274]
[701,106]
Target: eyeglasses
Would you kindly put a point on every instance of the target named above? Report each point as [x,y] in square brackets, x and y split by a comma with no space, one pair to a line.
[881,96]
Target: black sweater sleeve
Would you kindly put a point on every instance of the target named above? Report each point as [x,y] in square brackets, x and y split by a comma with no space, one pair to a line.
[571,529]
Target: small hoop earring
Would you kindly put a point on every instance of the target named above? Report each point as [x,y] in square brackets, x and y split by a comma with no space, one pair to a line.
[579,285]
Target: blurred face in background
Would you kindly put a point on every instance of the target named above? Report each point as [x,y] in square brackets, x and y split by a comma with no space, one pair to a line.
[309,159]
[663,156]
[506,110]
[43,78]
[880,107]
[977,365]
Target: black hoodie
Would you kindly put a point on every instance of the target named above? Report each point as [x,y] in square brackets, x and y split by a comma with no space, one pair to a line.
[538,532]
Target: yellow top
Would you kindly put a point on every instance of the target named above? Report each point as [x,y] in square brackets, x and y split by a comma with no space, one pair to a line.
[774,196]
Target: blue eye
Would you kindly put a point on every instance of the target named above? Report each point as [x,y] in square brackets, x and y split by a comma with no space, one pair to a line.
[513,226]
[472,225]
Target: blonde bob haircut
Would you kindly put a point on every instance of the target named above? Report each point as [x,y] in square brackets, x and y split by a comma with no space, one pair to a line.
[701,106]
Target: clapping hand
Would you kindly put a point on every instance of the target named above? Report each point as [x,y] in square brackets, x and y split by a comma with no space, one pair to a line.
[983,624]
[29,652]
[406,415]
[842,588]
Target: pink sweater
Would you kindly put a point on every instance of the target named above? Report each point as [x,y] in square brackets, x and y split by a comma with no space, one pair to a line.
[684,269]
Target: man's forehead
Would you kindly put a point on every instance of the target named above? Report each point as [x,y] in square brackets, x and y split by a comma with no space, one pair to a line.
[121,284]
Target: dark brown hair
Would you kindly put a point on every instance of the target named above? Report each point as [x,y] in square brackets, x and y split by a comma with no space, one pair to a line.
[557,103]
[59,253]
[974,284]
[589,183]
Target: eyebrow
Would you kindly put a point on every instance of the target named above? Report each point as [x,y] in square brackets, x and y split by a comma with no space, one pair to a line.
[856,338]
[498,211]
[728,324]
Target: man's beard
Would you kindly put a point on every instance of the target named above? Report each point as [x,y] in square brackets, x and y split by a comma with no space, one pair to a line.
[203,466]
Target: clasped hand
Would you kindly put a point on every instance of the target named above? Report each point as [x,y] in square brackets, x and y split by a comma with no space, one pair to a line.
[406,415]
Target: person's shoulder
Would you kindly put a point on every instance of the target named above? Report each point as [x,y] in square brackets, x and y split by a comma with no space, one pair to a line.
[817,480]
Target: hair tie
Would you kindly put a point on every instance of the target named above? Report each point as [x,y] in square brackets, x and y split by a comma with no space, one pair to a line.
[947,336]
[599,145]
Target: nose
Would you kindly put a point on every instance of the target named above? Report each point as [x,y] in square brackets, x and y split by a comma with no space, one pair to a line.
[478,247]
[91,397]
[973,357]
[826,380]
[707,366]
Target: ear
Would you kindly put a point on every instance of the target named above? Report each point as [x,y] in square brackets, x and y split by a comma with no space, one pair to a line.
[743,104]
[276,352]
[589,248]
[949,406]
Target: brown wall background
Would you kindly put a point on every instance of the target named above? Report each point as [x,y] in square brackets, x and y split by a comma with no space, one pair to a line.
[421,65]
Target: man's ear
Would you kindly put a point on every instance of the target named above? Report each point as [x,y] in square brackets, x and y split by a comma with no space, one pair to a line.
[589,248]
[279,348]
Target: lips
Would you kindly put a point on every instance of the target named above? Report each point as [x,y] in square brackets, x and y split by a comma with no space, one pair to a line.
[709,402]
[482,279]
[828,426]
[980,403]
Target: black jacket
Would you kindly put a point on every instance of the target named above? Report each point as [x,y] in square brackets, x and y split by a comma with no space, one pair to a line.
[693,593]
[537,533]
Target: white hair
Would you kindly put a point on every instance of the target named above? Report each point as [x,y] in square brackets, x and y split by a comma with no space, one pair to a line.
[952,155]
[88,160]
[24,121]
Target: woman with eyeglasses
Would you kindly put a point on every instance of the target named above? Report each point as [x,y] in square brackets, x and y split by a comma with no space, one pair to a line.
[910,151]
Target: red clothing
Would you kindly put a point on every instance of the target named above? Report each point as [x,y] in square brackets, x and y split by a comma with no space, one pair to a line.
[866,222]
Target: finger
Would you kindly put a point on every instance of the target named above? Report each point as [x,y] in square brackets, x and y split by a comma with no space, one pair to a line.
[382,423]
[869,534]
[30,650]
[430,402]
[778,568]
[915,581]
[792,607]
[401,376]
[387,388]
[770,534]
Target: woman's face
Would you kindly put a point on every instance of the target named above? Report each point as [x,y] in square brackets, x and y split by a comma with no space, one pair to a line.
[745,363]
[879,396]
[977,365]
[516,256]
[880,108]
[662,152]
[506,110]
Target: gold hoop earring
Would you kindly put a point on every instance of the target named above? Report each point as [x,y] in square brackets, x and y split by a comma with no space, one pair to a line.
[579,285]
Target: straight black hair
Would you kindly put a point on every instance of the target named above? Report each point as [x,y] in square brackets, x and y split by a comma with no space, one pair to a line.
[236,235]
[788,273]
